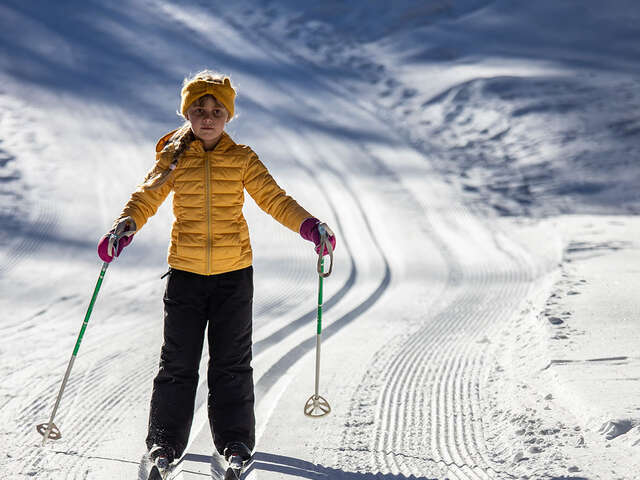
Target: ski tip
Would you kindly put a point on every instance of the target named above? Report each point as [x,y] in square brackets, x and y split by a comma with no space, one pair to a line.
[159,474]
[235,468]
[155,474]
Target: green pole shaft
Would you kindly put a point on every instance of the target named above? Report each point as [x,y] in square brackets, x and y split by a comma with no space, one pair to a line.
[90,309]
[319,332]
[320,297]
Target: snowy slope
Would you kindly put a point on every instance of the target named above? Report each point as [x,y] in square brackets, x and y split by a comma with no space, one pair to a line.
[517,103]
[410,127]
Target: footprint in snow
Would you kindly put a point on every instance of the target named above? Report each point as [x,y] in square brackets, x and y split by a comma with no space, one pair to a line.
[555,321]
[614,428]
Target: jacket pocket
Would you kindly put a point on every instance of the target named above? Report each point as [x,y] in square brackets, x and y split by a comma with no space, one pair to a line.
[191,245]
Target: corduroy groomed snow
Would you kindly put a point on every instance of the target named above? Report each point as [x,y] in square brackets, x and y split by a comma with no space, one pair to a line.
[221,89]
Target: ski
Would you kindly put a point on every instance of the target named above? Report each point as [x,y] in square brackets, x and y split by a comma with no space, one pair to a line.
[155,474]
[157,463]
[160,473]
[235,467]
[160,470]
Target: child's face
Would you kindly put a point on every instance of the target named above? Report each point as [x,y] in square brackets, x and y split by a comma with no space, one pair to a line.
[208,118]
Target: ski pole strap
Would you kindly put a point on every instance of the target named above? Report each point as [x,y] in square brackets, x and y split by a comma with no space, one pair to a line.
[325,233]
[126,227]
[114,240]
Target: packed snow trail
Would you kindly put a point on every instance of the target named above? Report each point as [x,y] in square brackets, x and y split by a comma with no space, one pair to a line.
[420,290]
[380,276]
[476,298]
[443,356]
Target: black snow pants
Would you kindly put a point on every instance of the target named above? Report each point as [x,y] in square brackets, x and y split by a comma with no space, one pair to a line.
[190,301]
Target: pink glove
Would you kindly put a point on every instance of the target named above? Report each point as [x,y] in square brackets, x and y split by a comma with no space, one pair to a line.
[125,229]
[309,231]
[105,246]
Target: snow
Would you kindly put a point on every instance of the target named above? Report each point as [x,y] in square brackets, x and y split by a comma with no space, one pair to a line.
[566,383]
[478,162]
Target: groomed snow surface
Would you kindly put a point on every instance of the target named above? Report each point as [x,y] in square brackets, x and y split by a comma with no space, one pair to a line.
[478,161]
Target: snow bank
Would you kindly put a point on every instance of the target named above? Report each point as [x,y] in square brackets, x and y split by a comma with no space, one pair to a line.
[563,393]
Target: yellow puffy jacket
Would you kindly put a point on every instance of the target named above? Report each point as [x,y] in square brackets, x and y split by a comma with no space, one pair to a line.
[209,234]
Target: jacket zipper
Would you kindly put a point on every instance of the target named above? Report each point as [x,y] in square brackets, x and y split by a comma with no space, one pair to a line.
[207,187]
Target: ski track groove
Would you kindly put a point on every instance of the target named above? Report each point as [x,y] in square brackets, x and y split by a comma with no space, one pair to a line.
[455,385]
[36,233]
[89,411]
[349,190]
[46,395]
[450,370]
[394,398]
[393,369]
[455,428]
[411,373]
[125,396]
[468,440]
[29,235]
[264,382]
[276,298]
[399,374]
[95,415]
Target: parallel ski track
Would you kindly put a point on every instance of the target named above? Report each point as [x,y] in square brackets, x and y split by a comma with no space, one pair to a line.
[89,410]
[43,225]
[101,392]
[427,409]
[453,386]
[454,428]
[41,216]
[289,358]
[274,298]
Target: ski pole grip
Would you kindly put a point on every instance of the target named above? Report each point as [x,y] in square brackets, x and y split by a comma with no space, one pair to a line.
[115,239]
[325,232]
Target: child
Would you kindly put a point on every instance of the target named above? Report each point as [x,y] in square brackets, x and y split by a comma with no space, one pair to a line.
[210,276]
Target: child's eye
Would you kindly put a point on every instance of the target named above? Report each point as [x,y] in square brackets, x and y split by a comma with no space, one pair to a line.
[217,113]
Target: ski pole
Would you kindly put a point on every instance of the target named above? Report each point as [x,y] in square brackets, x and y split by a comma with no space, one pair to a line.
[50,430]
[317,406]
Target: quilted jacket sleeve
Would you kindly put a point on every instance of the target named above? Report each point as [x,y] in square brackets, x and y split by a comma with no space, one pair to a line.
[144,202]
[270,197]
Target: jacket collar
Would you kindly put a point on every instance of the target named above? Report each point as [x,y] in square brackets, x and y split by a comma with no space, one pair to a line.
[224,144]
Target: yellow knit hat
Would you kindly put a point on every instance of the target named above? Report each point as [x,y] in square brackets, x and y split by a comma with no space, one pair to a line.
[221,89]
